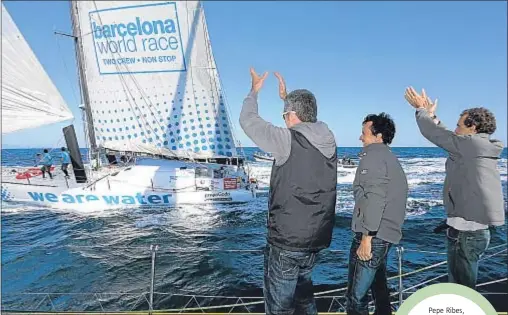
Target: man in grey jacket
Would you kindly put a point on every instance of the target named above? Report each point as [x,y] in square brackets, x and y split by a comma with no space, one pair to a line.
[303,192]
[380,189]
[472,194]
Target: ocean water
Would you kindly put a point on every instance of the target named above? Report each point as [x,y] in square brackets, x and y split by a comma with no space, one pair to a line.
[208,255]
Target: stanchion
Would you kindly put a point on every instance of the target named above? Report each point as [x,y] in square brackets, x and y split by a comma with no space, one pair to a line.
[153,249]
[400,250]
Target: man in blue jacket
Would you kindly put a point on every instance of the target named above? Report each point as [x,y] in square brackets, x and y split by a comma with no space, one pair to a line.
[66,160]
[46,161]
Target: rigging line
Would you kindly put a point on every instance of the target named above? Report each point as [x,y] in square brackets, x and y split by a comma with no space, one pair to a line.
[214,67]
[199,119]
[491,282]
[195,15]
[141,92]
[125,86]
[86,113]
[145,98]
[144,122]
[497,246]
[208,73]
[212,74]
[130,97]
[196,295]
[492,255]
[66,68]
[186,153]
[211,71]
[402,275]
[58,142]
[131,76]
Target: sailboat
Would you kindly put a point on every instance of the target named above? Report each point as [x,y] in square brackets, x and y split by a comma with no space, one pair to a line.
[259,157]
[156,124]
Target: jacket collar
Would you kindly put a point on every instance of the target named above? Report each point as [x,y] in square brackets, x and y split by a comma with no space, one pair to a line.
[483,135]
[375,147]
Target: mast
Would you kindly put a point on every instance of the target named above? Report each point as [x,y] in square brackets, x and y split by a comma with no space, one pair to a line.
[82,80]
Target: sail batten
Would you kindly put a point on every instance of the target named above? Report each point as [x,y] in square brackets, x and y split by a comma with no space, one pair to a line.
[29,97]
[152,79]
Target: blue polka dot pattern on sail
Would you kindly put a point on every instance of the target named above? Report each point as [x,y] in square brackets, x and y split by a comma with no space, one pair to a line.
[166,114]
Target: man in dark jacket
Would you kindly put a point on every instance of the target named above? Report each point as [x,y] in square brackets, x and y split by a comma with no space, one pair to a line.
[380,190]
[472,194]
[303,192]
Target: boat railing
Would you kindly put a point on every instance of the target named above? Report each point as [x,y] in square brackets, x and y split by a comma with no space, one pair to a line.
[110,179]
[195,186]
[334,299]
[27,181]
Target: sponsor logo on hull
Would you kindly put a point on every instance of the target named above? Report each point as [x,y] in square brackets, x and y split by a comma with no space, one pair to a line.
[218,196]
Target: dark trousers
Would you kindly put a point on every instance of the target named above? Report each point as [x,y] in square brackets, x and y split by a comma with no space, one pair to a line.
[46,169]
[465,249]
[368,275]
[288,287]
[64,169]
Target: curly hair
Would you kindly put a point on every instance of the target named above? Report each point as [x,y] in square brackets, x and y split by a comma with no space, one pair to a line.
[382,124]
[481,118]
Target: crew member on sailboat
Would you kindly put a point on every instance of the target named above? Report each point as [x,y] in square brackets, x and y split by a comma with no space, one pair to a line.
[46,161]
[303,192]
[66,160]
[472,194]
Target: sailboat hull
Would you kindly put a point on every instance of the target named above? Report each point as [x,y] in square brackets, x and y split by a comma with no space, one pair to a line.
[89,199]
[262,160]
[152,182]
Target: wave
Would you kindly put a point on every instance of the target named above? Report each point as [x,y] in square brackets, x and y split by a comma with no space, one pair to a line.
[427,180]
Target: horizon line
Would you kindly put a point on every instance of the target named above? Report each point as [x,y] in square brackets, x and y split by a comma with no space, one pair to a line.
[254,147]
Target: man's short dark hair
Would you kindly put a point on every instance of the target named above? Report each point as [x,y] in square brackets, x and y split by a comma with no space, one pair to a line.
[382,124]
[480,117]
[303,103]
[45,151]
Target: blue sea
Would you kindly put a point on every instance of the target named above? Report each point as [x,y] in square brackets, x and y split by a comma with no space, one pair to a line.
[207,256]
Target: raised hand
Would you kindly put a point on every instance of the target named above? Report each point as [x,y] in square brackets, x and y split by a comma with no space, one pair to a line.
[257,81]
[431,107]
[414,99]
[282,86]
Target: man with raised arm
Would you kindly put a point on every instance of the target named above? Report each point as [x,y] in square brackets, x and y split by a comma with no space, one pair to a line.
[303,191]
[472,194]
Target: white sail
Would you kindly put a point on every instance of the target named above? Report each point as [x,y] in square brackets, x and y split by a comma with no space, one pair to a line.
[29,97]
[151,77]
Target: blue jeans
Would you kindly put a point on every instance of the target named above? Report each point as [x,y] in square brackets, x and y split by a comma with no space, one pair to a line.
[464,250]
[288,287]
[365,275]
